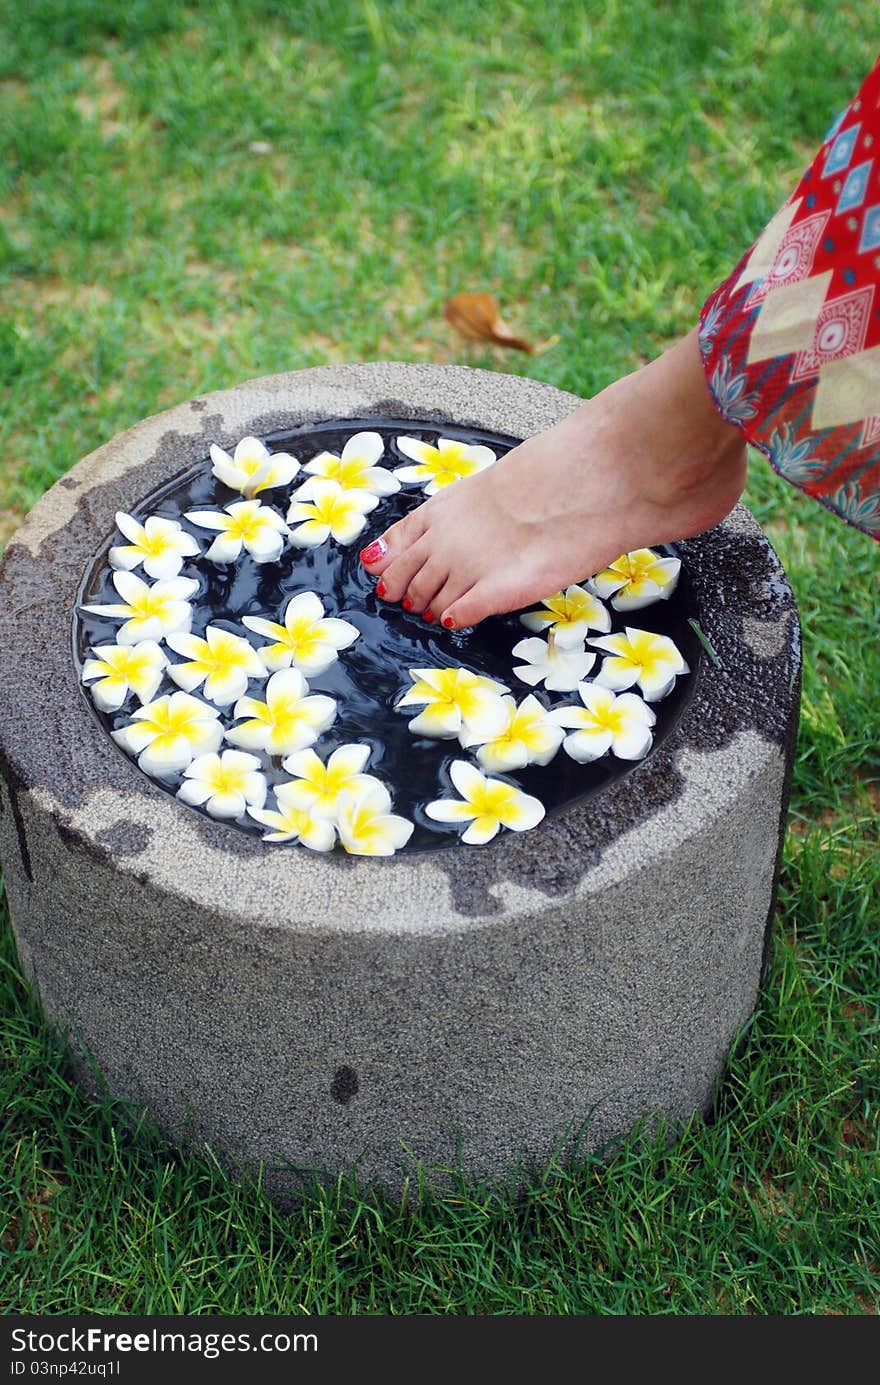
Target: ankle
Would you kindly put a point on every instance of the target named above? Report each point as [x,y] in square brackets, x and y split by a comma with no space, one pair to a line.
[680,448]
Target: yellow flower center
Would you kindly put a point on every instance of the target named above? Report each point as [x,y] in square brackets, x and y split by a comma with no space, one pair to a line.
[638,565]
[605,718]
[362,828]
[169,721]
[447,464]
[490,800]
[126,662]
[644,652]
[154,545]
[150,603]
[349,473]
[223,655]
[246,525]
[572,606]
[522,728]
[331,509]
[328,784]
[282,716]
[459,691]
[301,637]
[227,779]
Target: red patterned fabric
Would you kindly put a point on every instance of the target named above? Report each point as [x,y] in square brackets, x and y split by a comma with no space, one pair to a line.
[791,340]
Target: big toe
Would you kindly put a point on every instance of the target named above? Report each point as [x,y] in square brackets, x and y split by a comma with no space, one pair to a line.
[393,543]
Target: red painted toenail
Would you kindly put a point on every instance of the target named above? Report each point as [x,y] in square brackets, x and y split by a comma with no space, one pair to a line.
[448,622]
[406,604]
[428,616]
[374,551]
[381,588]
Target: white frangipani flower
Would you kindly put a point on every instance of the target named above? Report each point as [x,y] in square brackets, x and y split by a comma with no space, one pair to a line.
[442,465]
[323,509]
[289,821]
[318,786]
[637,579]
[366,824]
[245,524]
[222,661]
[487,804]
[114,670]
[288,720]
[356,469]
[641,657]
[149,611]
[167,735]
[308,639]
[159,544]
[252,467]
[571,615]
[454,700]
[560,670]
[607,721]
[529,737]
[225,784]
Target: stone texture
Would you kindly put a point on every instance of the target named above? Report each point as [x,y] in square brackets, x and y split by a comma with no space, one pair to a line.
[493,1004]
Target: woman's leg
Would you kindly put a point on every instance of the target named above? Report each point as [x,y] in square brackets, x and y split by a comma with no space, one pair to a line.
[649,459]
[788,348]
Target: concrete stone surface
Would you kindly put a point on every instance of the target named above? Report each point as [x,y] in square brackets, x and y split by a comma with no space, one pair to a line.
[465,1008]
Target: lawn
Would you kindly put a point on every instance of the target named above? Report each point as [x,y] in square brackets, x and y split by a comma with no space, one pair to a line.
[191,196]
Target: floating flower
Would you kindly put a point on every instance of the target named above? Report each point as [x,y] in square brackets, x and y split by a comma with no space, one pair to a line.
[243,524]
[455,700]
[150,611]
[290,822]
[318,786]
[570,615]
[323,509]
[252,467]
[641,657]
[166,735]
[308,639]
[559,669]
[222,661]
[356,468]
[487,804]
[366,824]
[440,466]
[607,721]
[637,579]
[530,737]
[114,670]
[160,544]
[225,785]
[288,720]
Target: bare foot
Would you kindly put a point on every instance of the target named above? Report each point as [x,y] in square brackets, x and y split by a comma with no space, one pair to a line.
[647,461]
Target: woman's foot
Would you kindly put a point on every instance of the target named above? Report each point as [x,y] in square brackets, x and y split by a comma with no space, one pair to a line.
[647,461]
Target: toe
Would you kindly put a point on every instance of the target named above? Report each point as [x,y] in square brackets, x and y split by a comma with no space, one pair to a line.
[402,570]
[380,553]
[425,586]
[452,590]
[485,598]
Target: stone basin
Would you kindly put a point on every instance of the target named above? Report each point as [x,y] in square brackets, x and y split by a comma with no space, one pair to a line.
[468,1007]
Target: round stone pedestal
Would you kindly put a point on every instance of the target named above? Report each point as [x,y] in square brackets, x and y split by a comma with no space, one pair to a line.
[464,1007]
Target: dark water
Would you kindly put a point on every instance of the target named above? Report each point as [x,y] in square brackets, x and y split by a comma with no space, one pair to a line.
[371,674]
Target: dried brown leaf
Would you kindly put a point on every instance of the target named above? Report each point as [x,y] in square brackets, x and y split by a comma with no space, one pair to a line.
[476,316]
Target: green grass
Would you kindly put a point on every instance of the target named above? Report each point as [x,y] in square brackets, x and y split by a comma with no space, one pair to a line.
[598,166]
